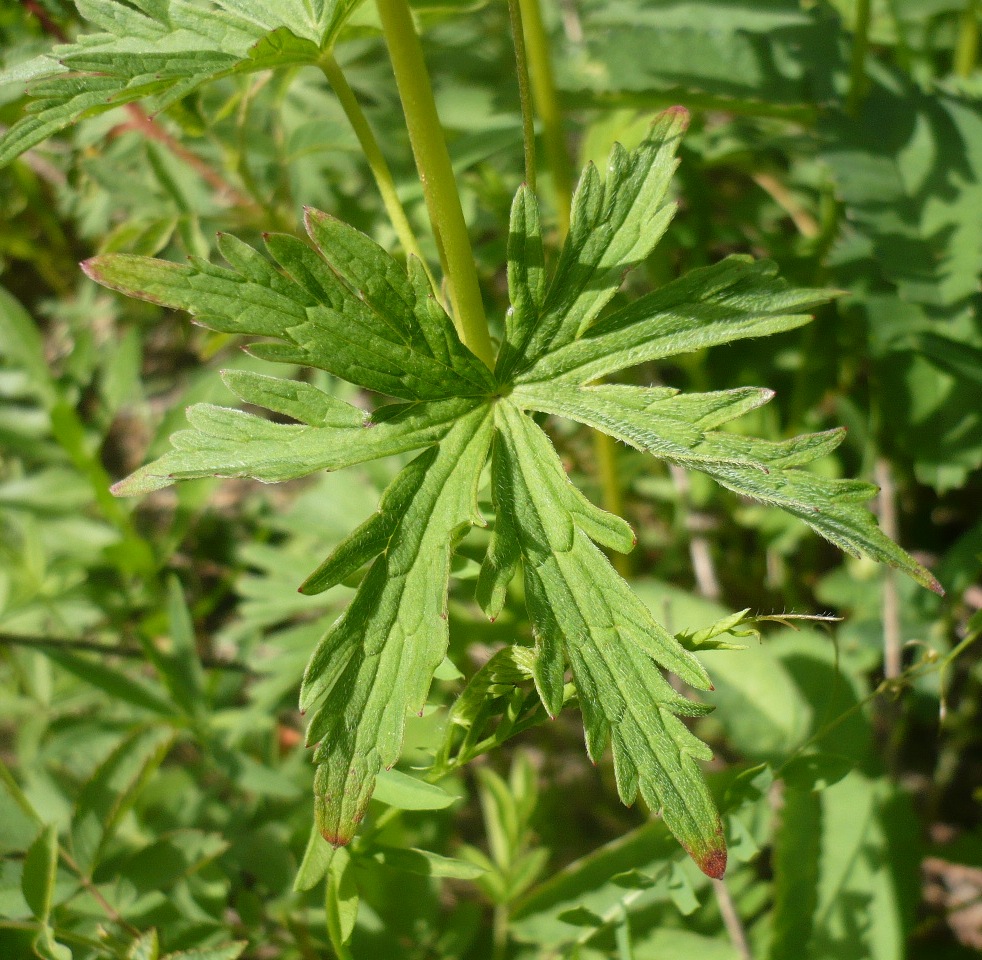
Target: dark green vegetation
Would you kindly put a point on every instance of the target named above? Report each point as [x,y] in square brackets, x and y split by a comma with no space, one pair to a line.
[154,790]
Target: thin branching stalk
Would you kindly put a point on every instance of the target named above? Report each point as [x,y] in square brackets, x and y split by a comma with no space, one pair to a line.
[524,90]
[731,920]
[82,645]
[375,159]
[436,173]
[887,502]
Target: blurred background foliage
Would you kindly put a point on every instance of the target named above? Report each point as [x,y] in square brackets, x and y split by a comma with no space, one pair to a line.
[154,792]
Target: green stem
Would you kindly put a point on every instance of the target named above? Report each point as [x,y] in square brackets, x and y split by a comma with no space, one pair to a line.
[860,47]
[524,91]
[967,47]
[547,105]
[436,173]
[376,160]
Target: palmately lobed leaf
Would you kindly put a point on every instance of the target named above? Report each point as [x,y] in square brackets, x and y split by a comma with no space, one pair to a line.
[348,308]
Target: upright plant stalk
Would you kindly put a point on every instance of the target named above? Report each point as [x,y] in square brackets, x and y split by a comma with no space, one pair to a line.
[524,90]
[436,173]
[860,47]
[547,105]
[376,160]
[527,14]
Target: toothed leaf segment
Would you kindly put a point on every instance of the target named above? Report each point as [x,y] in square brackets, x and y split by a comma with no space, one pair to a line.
[345,306]
[161,51]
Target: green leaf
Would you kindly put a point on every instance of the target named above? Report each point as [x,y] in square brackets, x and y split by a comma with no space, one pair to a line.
[377,661]
[731,300]
[117,684]
[47,948]
[21,343]
[231,951]
[145,947]
[232,443]
[113,788]
[614,225]
[316,859]
[182,670]
[584,614]
[164,51]
[341,900]
[40,869]
[427,864]
[404,792]
[675,428]
[327,310]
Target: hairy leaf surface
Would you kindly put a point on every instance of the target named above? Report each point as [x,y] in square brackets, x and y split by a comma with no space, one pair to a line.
[345,306]
[160,52]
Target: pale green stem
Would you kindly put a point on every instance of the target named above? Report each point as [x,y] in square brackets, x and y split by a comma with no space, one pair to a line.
[436,174]
[547,104]
[860,47]
[376,160]
[524,91]
[967,47]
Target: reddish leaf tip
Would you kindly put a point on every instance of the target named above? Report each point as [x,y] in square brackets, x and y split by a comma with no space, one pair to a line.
[713,863]
[681,114]
[335,840]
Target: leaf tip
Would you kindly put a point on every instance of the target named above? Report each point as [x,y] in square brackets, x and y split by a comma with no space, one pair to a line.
[713,862]
[335,839]
[934,585]
[90,268]
[680,113]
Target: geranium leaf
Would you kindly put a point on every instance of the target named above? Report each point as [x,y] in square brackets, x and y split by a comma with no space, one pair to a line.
[676,428]
[614,225]
[376,662]
[163,52]
[349,308]
[585,615]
